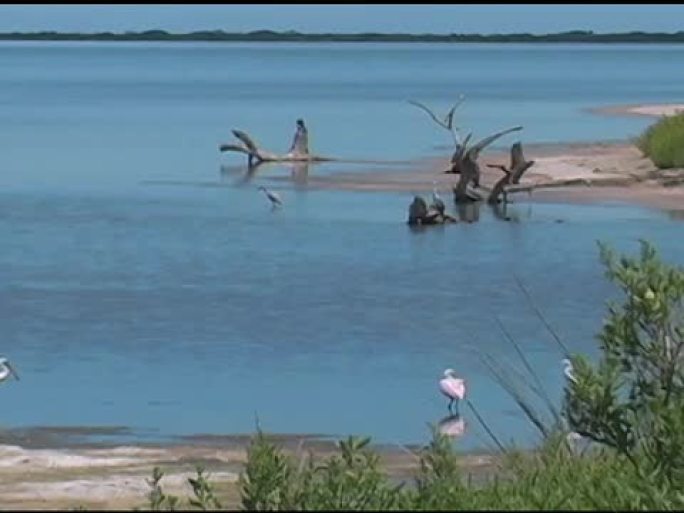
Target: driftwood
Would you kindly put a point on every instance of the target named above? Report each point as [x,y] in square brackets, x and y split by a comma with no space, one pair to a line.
[420,214]
[512,174]
[299,150]
[448,122]
[464,160]
[465,163]
[587,182]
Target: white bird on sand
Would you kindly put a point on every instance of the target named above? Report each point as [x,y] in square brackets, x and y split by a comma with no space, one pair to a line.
[568,370]
[6,370]
[273,197]
[452,387]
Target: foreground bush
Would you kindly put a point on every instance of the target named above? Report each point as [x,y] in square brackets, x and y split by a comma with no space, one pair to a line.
[633,399]
[629,405]
[663,142]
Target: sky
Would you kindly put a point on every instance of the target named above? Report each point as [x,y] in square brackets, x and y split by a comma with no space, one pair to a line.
[432,18]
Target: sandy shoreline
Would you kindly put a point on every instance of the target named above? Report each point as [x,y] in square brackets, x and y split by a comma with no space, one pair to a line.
[42,476]
[666,109]
[578,173]
[597,172]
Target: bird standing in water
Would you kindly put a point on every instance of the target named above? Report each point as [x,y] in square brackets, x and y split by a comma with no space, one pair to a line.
[273,197]
[568,370]
[437,201]
[6,370]
[452,387]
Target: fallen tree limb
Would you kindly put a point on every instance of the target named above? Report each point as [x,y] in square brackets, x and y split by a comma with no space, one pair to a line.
[568,182]
[465,163]
[299,151]
[448,122]
[512,175]
[420,214]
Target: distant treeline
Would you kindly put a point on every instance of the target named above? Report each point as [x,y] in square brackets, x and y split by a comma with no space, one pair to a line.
[576,36]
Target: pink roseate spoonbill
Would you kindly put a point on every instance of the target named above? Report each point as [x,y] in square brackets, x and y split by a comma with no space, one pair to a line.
[452,387]
[6,370]
[273,197]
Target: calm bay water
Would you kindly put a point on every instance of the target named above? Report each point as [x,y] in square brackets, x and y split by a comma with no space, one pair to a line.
[191,308]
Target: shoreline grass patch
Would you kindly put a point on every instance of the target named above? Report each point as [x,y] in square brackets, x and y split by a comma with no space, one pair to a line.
[663,142]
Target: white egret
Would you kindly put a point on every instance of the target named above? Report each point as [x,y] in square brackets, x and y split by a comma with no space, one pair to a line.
[437,201]
[6,370]
[568,370]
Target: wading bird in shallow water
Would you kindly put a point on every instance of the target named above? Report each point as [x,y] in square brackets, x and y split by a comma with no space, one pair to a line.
[273,197]
[437,201]
[452,387]
[572,438]
[6,370]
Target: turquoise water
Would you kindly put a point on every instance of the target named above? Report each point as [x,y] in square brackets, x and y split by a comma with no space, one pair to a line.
[189,309]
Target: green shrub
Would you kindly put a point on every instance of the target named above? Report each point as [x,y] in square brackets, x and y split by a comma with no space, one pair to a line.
[663,142]
[267,483]
[633,399]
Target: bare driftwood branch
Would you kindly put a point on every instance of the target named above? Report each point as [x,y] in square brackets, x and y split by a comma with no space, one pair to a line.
[458,155]
[512,175]
[420,214]
[299,150]
[469,169]
[587,182]
[475,150]
[448,122]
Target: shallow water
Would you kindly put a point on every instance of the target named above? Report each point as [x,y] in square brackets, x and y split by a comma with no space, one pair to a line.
[187,308]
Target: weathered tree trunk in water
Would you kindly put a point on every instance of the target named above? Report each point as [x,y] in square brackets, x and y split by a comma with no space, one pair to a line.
[512,175]
[465,163]
[420,214]
[299,151]
[470,173]
[417,211]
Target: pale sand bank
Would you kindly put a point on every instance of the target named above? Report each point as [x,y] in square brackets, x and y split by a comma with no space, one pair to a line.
[111,478]
[592,172]
[665,109]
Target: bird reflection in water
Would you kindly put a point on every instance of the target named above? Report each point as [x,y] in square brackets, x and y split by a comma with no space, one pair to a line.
[452,426]
[243,175]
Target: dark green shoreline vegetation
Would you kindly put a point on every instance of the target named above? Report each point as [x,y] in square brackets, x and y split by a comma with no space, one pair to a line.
[615,443]
[575,36]
[663,142]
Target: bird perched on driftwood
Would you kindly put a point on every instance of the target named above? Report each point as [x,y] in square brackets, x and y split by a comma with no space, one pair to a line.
[273,197]
[300,142]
